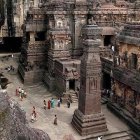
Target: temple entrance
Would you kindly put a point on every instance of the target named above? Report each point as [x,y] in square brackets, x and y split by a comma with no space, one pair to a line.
[72,84]
[107,40]
[134,61]
[11,44]
[106,81]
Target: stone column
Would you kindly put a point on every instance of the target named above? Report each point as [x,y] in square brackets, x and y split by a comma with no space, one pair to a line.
[88,118]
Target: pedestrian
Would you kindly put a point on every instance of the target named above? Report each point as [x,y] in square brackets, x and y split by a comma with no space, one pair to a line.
[52,103]
[19,90]
[22,94]
[58,102]
[68,103]
[34,112]
[44,104]
[8,69]
[25,94]
[49,104]
[55,120]
[33,109]
[32,117]
[17,93]
[61,100]
[100,138]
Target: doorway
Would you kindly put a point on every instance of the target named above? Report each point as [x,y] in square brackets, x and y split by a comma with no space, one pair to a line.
[107,40]
[72,84]
[134,61]
[106,81]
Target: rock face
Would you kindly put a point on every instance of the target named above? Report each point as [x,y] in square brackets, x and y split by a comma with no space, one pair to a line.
[13,123]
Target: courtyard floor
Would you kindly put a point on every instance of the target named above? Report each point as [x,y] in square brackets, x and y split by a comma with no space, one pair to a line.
[35,96]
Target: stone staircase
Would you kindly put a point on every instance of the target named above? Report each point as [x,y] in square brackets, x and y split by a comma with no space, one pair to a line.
[121,135]
[73,95]
[70,94]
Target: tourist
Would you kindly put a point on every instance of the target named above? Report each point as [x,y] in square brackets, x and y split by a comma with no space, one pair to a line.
[68,103]
[49,104]
[22,94]
[44,104]
[33,109]
[8,69]
[61,100]
[100,138]
[111,95]
[58,102]
[25,94]
[32,117]
[17,93]
[55,120]
[34,112]
[52,103]
[12,55]
[12,68]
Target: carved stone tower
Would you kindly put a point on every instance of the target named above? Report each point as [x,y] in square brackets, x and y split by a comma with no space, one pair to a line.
[58,37]
[33,52]
[88,118]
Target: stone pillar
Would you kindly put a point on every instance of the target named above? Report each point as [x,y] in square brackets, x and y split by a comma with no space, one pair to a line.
[88,118]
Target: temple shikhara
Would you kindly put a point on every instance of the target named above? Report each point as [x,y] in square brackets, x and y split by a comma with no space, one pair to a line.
[87,50]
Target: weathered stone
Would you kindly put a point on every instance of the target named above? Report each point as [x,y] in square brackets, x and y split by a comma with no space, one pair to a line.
[14,123]
[88,118]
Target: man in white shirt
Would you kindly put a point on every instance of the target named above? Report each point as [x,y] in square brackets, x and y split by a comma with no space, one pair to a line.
[100,138]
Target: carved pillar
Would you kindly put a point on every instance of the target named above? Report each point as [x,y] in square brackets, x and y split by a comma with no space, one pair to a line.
[88,118]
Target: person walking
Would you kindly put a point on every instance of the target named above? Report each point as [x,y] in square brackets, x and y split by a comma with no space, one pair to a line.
[68,103]
[19,90]
[22,94]
[52,103]
[34,112]
[44,104]
[100,138]
[32,117]
[25,94]
[58,102]
[49,104]
[17,93]
[55,120]
[61,100]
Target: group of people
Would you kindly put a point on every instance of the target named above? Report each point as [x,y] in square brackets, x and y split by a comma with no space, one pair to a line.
[10,68]
[51,103]
[21,93]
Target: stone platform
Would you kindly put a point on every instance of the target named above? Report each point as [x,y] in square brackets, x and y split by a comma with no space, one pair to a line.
[89,124]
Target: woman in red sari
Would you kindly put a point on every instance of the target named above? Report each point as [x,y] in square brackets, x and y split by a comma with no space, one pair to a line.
[49,104]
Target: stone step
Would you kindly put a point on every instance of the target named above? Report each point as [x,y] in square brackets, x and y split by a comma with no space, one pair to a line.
[74,98]
[122,135]
[119,136]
